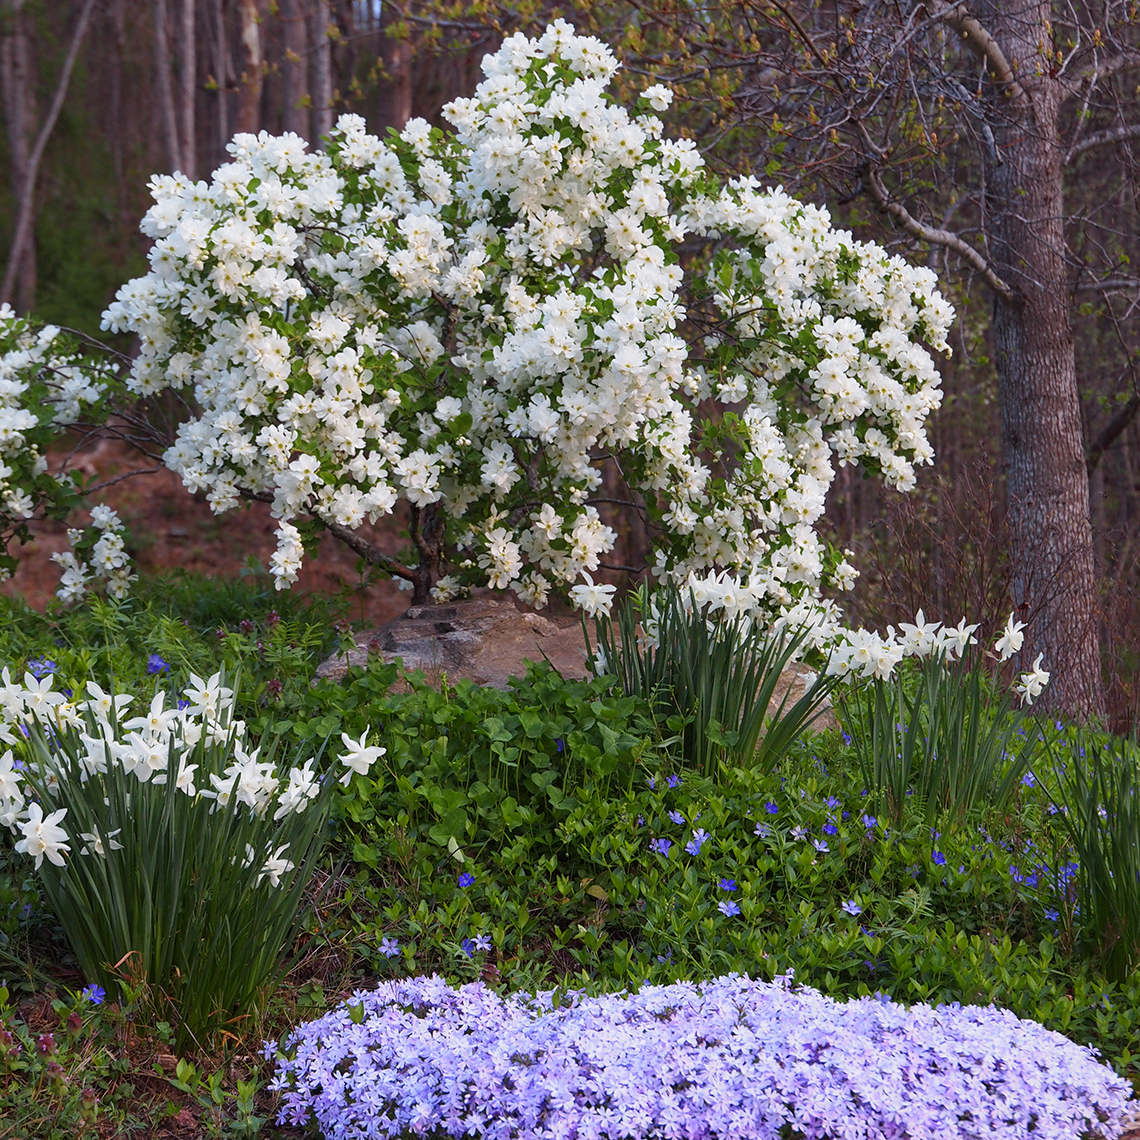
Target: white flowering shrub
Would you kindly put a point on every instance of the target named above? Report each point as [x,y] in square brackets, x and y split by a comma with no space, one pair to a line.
[476,321]
[98,558]
[47,382]
[166,845]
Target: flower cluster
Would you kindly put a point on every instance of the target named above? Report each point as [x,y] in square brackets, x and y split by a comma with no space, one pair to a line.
[869,654]
[98,557]
[730,1057]
[92,740]
[473,321]
[46,383]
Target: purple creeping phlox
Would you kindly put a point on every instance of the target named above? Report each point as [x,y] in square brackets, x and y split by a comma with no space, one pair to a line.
[731,1057]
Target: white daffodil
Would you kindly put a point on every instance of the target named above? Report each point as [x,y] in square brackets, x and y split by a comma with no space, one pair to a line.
[10,778]
[207,697]
[957,640]
[158,720]
[94,843]
[1033,683]
[357,756]
[102,704]
[38,696]
[185,781]
[592,598]
[275,867]
[303,787]
[43,837]
[921,637]
[1011,638]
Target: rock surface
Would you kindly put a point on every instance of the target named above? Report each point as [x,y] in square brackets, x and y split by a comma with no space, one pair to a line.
[489,641]
[486,640]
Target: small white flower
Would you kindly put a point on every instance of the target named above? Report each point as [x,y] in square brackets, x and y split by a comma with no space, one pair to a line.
[93,843]
[1032,684]
[275,867]
[43,836]
[357,756]
[593,598]
[1011,638]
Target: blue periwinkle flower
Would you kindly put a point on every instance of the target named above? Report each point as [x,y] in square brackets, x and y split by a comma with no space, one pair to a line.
[693,847]
[94,993]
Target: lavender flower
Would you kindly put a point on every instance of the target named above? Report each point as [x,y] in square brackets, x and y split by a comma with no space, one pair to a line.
[820,845]
[728,908]
[771,808]
[676,817]
[389,947]
[799,832]
[693,847]
[758,1058]
[852,908]
[727,884]
[660,846]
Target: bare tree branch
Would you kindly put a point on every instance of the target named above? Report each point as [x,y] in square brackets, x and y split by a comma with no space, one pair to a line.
[981,43]
[351,539]
[939,237]
[1103,138]
[1111,430]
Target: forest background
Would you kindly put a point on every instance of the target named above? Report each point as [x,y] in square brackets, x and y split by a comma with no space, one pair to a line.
[995,142]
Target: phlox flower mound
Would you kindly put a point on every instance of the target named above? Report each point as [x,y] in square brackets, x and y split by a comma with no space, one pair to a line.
[731,1057]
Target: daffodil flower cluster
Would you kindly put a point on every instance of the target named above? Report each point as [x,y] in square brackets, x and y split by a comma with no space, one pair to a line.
[46,383]
[869,654]
[476,321]
[88,744]
[98,558]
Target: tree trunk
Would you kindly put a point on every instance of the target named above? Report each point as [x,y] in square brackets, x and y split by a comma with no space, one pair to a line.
[221,77]
[23,237]
[1054,578]
[115,112]
[294,69]
[322,72]
[188,88]
[249,70]
[165,90]
[17,80]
